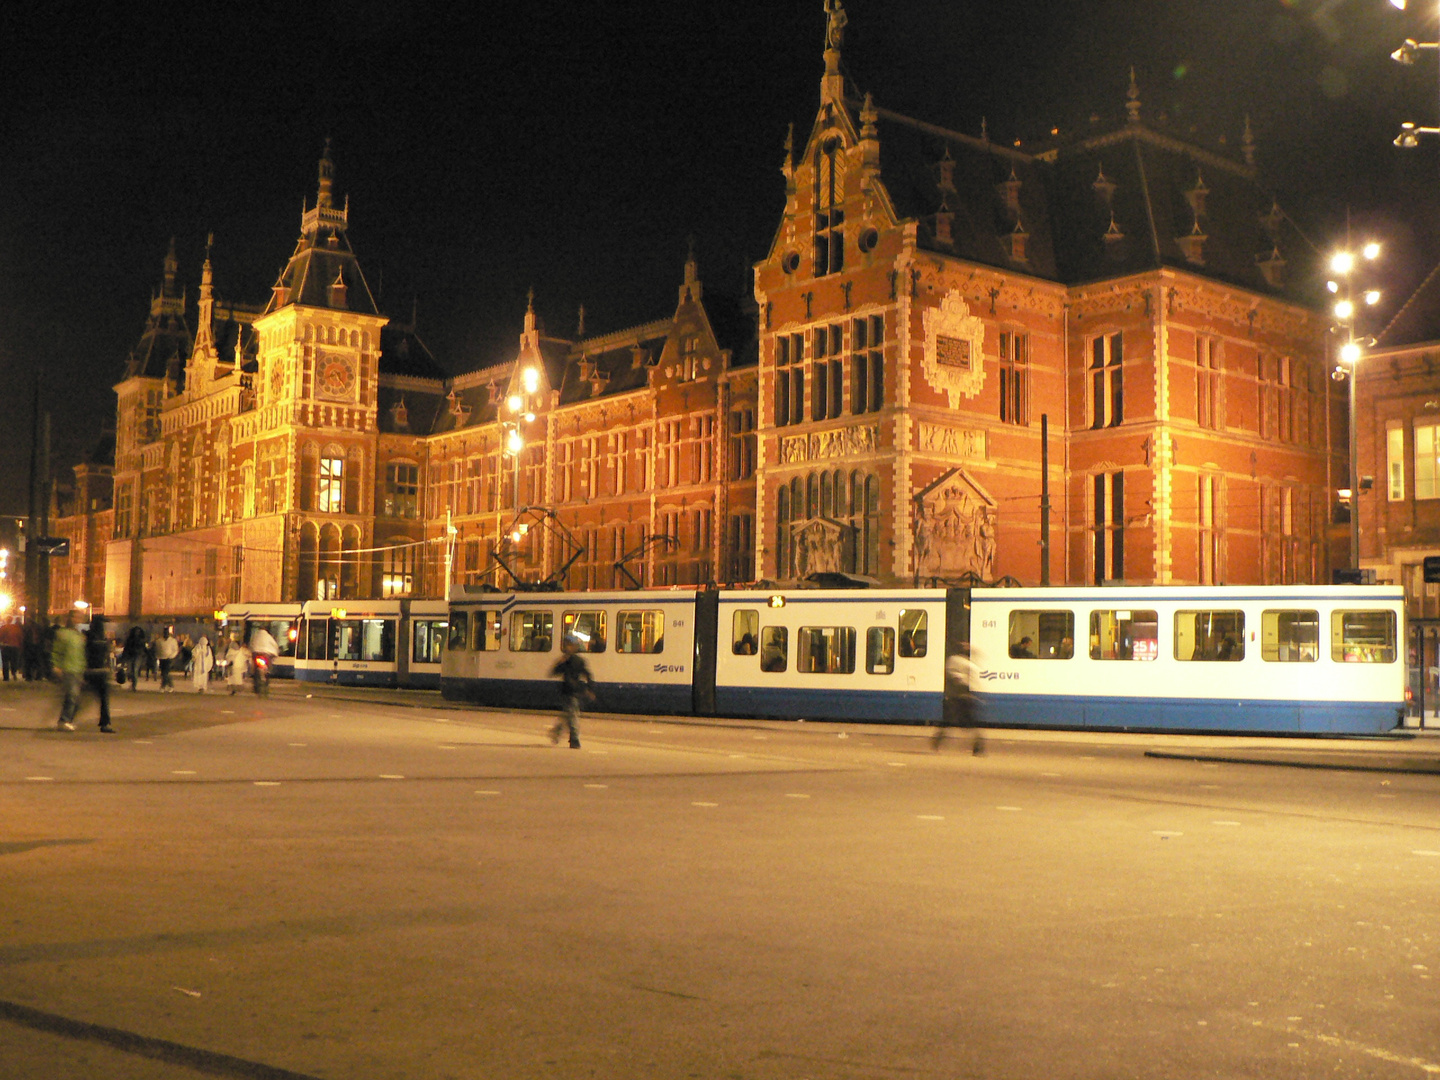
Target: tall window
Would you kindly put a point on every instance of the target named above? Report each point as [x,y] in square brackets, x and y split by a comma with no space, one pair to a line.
[1107,386]
[789,379]
[1284,400]
[1394,465]
[402,490]
[742,443]
[867,364]
[741,542]
[1427,461]
[828,380]
[1014,377]
[1208,527]
[331,484]
[397,576]
[1108,504]
[1207,381]
[829,217]
[123,510]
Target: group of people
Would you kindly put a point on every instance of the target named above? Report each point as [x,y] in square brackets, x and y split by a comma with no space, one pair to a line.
[95,659]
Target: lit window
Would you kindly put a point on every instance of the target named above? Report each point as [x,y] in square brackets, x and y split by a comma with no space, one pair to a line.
[331,485]
[1124,635]
[1210,635]
[1362,637]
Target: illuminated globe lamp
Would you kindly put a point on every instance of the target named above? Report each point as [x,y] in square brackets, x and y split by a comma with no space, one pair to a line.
[1344,264]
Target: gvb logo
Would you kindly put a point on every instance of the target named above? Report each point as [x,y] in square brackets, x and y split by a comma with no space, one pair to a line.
[990,676]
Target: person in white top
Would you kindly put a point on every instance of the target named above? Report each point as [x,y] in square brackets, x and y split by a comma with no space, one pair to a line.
[263,651]
[167,648]
[202,660]
[960,707]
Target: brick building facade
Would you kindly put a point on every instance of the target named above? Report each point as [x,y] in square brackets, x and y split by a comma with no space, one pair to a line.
[929,298]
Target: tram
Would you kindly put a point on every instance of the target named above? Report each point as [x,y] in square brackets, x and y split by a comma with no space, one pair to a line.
[1275,659]
[396,643]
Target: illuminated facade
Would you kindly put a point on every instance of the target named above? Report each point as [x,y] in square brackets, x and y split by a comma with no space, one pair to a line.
[929,300]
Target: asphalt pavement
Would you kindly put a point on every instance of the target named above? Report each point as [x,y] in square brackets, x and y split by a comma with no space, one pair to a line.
[334,883]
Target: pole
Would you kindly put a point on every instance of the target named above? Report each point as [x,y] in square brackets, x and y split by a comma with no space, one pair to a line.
[1044,498]
[1354,474]
[449,552]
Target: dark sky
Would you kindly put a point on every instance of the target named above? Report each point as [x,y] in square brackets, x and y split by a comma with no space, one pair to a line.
[490,147]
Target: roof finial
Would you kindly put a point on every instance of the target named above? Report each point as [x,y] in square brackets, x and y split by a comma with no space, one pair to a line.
[984,130]
[580,323]
[327,178]
[1247,143]
[832,87]
[1132,107]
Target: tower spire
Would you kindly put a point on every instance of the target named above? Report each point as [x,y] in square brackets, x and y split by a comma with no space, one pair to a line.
[1132,106]
[327,179]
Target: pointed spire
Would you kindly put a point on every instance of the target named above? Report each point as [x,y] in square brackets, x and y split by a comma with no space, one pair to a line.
[690,289]
[1247,143]
[580,323]
[172,267]
[868,117]
[1132,106]
[327,179]
[530,311]
[984,130]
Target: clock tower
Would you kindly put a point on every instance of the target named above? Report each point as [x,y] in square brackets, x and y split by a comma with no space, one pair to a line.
[315,384]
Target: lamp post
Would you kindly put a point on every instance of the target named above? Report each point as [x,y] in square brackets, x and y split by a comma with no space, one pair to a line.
[521,406]
[1409,49]
[1344,265]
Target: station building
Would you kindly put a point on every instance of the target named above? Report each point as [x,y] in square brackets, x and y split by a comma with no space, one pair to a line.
[937,315]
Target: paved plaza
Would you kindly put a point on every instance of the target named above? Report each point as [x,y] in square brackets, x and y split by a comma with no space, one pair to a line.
[325,884]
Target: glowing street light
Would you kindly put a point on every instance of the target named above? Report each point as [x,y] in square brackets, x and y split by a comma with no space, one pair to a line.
[1352,349]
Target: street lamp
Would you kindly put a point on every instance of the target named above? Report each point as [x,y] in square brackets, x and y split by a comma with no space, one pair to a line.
[1409,49]
[1344,265]
[521,412]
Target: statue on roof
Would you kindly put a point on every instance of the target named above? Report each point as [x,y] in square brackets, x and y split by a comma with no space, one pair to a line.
[835,24]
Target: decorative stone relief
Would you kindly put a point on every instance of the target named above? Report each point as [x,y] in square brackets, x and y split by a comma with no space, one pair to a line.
[829,445]
[819,543]
[954,340]
[955,530]
[952,441]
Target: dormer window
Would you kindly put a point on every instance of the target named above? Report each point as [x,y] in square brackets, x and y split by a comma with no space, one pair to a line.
[829,214]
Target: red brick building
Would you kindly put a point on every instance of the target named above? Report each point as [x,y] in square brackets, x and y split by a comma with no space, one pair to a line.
[931,302]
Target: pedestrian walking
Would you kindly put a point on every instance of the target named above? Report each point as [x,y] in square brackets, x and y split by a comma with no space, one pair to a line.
[133,655]
[237,658]
[99,672]
[202,659]
[575,687]
[67,657]
[167,649]
[12,643]
[960,708]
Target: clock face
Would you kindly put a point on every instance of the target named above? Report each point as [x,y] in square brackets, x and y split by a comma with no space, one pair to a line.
[335,377]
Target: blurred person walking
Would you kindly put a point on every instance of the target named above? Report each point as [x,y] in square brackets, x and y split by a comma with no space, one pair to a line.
[960,708]
[133,655]
[167,648]
[99,668]
[67,657]
[202,660]
[575,683]
[12,641]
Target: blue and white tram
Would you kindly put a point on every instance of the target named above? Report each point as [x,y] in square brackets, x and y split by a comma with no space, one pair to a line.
[372,642]
[641,647]
[280,619]
[856,654]
[1297,659]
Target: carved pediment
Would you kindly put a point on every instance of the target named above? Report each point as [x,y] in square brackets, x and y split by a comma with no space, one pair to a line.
[955,529]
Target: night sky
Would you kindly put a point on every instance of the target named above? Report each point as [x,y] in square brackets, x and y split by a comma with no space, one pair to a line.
[488,148]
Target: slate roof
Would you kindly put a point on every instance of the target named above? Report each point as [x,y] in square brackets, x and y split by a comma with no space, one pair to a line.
[403,353]
[318,262]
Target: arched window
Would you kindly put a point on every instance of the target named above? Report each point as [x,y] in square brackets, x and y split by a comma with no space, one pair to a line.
[327,587]
[309,566]
[350,564]
[330,483]
[782,532]
[247,489]
[872,526]
[309,475]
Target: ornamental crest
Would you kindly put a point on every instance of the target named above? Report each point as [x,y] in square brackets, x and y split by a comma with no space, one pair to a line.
[954,356]
[955,529]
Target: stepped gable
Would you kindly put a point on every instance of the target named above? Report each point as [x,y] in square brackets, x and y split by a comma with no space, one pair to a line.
[167,340]
[323,271]
[929,170]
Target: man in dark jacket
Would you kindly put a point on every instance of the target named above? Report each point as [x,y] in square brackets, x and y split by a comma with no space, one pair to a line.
[99,670]
[575,683]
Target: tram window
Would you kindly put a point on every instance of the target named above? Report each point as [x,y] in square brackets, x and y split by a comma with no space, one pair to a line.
[1288,637]
[345,639]
[825,650]
[745,632]
[640,632]
[485,625]
[282,631]
[1042,635]
[774,648]
[531,631]
[302,639]
[377,640]
[1124,635]
[880,650]
[429,637]
[1210,635]
[319,637]
[914,632]
[459,629]
[1362,637]
[586,627]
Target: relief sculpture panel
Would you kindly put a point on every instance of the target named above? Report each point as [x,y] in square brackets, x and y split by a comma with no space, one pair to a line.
[955,530]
